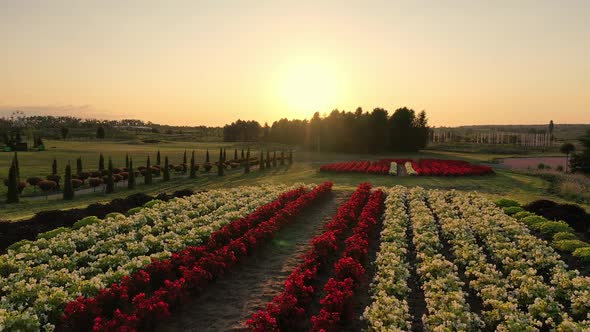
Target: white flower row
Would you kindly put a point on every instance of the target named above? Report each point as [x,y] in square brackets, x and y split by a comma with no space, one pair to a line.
[410,169]
[38,279]
[537,278]
[393,168]
[445,299]
[389,309]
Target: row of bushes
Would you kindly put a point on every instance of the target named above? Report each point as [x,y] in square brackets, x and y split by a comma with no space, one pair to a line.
[558,223]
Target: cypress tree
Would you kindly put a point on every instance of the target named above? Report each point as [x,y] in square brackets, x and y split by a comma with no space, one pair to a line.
[68,188]
[184,162]
[54,167]
[158,161]
[267,159]
[261,167]
[12,195]
[274,159]
[220,165]
[166,176]
[224,155]
[127,161]
[110,185]
[282,158]
[247,165]
[290,157]
[243,153]
[147,179]
[235,154]
[207,157]
[15,162]
[101,163]
[131,179]
[79,165]
[193,173]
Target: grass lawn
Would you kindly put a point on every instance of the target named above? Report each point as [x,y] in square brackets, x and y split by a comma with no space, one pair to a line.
[503,184]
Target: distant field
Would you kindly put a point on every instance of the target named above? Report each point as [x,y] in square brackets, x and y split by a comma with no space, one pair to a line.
[504,184]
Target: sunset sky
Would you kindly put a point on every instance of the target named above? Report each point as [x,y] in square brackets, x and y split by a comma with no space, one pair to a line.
[212,62]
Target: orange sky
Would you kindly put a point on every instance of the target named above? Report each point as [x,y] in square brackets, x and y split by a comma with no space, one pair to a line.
[211,62]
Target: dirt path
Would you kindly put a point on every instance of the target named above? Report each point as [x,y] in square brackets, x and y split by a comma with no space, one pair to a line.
[228,303]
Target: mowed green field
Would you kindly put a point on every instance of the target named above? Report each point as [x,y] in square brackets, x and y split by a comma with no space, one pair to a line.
[305,169]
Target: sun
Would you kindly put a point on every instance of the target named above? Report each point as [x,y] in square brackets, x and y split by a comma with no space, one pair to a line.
[309,86]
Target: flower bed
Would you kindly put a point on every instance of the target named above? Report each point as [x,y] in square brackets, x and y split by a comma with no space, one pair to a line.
[287,310]
[422,167]
[149,294]
[39,278]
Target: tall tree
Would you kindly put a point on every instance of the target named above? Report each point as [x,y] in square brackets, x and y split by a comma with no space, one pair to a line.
[247,162]
[235,154]
[220,164]
[166,176]
[79,165]
[267,159]
[12,196]
[127,161]
[261,163]
[274,159]
[551,128]
[54,167]
[100,133]
[207,157]
[16,165]
[101,163]
[184,162]
[131,171]
[110,183]
[193,169]
[158,160]
[64,133]
[68,193]
[567,149]
[147,178]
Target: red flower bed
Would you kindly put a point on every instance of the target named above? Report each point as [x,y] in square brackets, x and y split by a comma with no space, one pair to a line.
[148,295]
[287,310]
[349,271]
[425,167]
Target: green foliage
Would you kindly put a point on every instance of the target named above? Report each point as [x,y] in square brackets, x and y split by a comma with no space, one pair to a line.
[533,220]
[90,220]
[564,236]
[147,178]
[551,227]
[193,168]
[15,246]
[583,254]
[220,165]
[152,203]
[13,193]
[113,215]
[261,160]
[100,133]
[54,167]
[53,233]
[101,163]
[247,164]
[166,173]
[110,183]
[523,214]
[569,245]
[512,210]
[68,187]
[504,202]
[79,165]
[133,211]
[158,158]
[131,178]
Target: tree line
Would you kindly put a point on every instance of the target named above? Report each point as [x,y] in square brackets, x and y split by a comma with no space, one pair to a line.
[361,132]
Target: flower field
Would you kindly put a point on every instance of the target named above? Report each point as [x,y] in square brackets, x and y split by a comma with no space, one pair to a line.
[421,167]
[416,259]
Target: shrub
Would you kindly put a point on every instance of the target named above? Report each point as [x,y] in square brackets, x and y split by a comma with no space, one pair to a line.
[34,181]
[53,233]
[47,186]
[94,182]
[532,220]
[513,210]
[504,202]
[583,254]
[152,203]
[15,246]
[77,183]
[570,245]
[113,215]
[564,236]
[572,214]
[86,221]
[133,211]
[68,187]
[539,206]
[552,227]
[55,178]
[523,214]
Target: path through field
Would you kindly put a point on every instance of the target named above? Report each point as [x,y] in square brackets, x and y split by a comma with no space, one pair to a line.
[228,303]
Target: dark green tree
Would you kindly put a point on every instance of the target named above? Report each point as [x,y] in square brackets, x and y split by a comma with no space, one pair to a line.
[54,167]
[220,165]
[147,179]
[166,174]
[15,162]
[100,133]
[127,161]
[131,179]
[567,149]
[110,183]
[68,193]
[158,160]
[282,157]
[184,162]
[261,161]
[193,169]
[64,133]
[12,195]
[207,157]
[224,155]
[79,165]
[243,153]
[101,163]
[290,157]
[267,159]
[274,159]
[247,162]
[235,154]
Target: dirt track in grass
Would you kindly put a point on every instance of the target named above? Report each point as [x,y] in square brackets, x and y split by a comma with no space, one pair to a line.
[229,302]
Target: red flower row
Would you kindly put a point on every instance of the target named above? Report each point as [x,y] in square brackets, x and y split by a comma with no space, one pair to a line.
[287,310]
[142,298]
[426,167]
[349,271]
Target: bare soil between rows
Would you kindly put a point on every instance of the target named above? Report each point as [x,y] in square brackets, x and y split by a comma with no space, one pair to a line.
[228,303]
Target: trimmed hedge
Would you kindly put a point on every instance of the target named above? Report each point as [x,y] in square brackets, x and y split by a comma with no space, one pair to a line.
[570,245]
[583,254]
[513,210]
[504,202]
[564,236]
[573,214]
